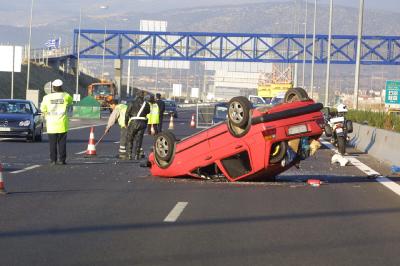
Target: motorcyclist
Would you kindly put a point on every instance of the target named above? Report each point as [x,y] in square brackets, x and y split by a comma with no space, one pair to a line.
[342,109]
[136,120]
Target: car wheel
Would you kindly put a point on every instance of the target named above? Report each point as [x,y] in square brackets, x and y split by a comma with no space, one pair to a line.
[296,95]
[39,136]
[278,152]
[164,145]
[32,137]
[239,111]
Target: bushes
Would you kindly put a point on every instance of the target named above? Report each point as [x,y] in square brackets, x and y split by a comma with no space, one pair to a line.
[375,119]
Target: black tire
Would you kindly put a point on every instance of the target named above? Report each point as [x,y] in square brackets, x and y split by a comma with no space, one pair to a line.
[239,111]
[328,131]
[296,95]
[349,126]
[32,137]
[39,137]
[341,142]
[278,152]
[164,144]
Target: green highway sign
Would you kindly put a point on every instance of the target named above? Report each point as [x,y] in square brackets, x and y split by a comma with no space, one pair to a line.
[392,94]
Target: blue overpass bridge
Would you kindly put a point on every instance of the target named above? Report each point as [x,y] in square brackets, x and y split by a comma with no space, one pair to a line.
[233,47]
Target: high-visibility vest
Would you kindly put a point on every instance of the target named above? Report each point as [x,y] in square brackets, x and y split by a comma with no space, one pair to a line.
[122,111]
[153,117]
[54,107]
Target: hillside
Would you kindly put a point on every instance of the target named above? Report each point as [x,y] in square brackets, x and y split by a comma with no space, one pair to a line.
[39,76]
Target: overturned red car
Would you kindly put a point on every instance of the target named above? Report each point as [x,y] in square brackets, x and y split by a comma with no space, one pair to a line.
[251,144]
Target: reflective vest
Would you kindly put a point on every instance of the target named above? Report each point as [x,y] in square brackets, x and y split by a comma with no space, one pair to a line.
[154,115]
[54,107]
[122,111]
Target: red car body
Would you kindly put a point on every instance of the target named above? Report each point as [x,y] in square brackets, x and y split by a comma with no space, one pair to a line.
[247,156]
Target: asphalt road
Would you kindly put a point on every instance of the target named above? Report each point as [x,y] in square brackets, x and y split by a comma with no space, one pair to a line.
[102,211]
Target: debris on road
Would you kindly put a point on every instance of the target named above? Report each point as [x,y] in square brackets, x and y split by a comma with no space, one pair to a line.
[337,158]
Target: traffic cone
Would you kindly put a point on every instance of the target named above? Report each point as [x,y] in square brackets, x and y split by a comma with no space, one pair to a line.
[91,149]
[171,123]
[152,131]
[2,187]
[192,123]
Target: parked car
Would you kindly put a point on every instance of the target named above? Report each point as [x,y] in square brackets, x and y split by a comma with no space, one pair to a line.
[20,119]
[171,108]
[220,112]
[252,144]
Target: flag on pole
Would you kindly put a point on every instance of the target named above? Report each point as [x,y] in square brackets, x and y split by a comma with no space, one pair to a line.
[53,43]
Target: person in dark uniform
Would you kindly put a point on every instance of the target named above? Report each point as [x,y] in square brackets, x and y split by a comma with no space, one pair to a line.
[136,120]
[161,108]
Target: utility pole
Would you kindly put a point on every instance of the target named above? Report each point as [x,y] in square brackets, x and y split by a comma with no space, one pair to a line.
[304,45]
[358,58]
[29,48]
[328,64]
[313,49]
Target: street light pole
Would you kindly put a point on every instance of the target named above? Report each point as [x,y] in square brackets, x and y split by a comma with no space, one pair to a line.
[79,52]
[304,45]
[328,64]
[29,48]
[313,49]
[358,58]
[104,52]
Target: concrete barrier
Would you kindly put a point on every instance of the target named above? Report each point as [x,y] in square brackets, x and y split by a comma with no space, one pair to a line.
[382,144]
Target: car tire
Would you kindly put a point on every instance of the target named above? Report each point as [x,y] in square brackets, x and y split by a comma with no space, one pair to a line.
[296,95]
[239,111]
[39,137]
[278,152]
[164,148]
[31,137]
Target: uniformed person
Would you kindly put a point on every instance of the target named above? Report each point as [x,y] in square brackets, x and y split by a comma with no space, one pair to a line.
[161,109]
[54,107]
[154,116]
[118,115]
[136,120]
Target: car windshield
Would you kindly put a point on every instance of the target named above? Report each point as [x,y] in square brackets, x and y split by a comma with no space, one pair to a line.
[170,104]
[15,108]
[276,100]
[102,89]
[221,111]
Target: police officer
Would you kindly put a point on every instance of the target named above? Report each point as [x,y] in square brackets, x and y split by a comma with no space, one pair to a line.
[161,108]
[54,107]
[118,115]
[136,120]
[153,116]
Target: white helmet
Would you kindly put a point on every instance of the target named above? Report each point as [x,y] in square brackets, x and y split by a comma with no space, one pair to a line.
[342,108]
[57,83]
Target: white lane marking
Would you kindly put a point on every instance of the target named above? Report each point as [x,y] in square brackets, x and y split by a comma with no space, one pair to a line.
[175,212]
[25,169]
[81,152]
[393,186]
[116,142]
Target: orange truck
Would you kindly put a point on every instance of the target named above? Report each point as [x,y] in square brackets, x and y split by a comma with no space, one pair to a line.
[104,92]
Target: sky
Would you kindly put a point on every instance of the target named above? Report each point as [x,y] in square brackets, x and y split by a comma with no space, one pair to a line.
[159,5]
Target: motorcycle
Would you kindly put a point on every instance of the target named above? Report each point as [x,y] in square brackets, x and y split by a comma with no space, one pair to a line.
[337,128]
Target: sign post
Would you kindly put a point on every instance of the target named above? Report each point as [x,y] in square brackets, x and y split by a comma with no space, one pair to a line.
[392,93]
